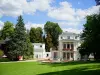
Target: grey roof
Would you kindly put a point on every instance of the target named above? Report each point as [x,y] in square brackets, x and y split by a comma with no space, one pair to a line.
[69,33]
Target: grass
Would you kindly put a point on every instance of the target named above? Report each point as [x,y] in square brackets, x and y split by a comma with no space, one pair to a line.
[36,68]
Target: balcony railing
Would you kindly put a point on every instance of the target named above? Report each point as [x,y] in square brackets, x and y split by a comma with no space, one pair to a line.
[68,49]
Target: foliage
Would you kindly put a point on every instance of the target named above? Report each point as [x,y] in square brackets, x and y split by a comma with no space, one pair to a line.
[91,36]
[36,35]
[54,30]
[48,42]
[4,60]
[29,52]
[1,53]
[32,35]
[7,30]
[19,44]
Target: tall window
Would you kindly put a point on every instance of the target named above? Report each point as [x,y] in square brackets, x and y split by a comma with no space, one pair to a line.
[72,46]
[55,55]
[64,46]
[61,37]
[76,37]
[68,46]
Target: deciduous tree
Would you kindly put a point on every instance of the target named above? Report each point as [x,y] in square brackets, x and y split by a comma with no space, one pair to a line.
[54,30]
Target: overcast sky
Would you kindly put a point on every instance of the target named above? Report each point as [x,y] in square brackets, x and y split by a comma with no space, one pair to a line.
[69,14]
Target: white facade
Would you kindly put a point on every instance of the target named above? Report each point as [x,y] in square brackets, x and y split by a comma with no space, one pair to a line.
[68,44]
[39,51]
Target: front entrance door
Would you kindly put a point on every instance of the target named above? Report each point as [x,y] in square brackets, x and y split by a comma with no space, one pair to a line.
[55,55]
[64,55]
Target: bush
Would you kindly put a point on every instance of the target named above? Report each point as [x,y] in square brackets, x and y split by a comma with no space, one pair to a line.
[1,53]
[4,60]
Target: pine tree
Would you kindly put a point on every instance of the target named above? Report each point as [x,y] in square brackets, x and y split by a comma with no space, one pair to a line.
[19,43]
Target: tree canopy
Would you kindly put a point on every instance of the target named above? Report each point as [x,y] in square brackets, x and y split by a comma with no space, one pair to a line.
[91,36]
[19,43]
[54,30]
[36,35]
[7,30]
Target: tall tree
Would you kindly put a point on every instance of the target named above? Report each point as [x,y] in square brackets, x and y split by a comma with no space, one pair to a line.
[19,43]
[91,36]
[7,30]
[48,42]
[39,34]
[32,35]
[54,30]
[36,35]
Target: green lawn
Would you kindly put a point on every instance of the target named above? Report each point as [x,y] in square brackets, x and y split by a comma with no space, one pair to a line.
[36,68]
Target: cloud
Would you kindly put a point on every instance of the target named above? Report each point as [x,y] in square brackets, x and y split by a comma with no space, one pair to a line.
[1,24]
[68,23]
[72,16]
[72,30]
[28,25]
[64,12]
[19,7]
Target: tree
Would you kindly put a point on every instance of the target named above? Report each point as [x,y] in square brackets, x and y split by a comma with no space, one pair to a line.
[32,35]
[29,50]
[36,35]
[91,36]
[7,30]
[39,34]
[48,42]
[1,53]
[54,30]
[19,42]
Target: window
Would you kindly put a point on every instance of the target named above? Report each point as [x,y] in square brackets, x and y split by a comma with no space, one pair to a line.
[64,46]
[40,45]
[72,46]
[55,54]
[68,46]
[64,55]
[47,55]
[68,37]
[76,37]
[61,37]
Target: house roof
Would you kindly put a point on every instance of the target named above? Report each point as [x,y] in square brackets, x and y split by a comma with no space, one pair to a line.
[69,33]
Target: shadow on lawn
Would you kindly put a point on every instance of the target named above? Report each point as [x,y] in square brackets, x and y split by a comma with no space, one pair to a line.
[69,63]
[79,71]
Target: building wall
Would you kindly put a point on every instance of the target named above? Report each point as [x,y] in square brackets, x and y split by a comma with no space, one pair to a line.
[39,51]
[74,38]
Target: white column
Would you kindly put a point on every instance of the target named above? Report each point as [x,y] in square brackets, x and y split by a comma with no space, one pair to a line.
[69,45]
[70,56]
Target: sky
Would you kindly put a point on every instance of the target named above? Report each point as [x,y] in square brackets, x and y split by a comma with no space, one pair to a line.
[69,14]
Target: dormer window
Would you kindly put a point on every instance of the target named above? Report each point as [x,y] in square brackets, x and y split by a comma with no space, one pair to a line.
[68,37]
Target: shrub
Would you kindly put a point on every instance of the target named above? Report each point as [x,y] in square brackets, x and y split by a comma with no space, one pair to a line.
[4,60]
[1,53]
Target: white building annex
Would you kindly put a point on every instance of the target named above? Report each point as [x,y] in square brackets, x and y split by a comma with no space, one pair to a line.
[67,49]
[40,52]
